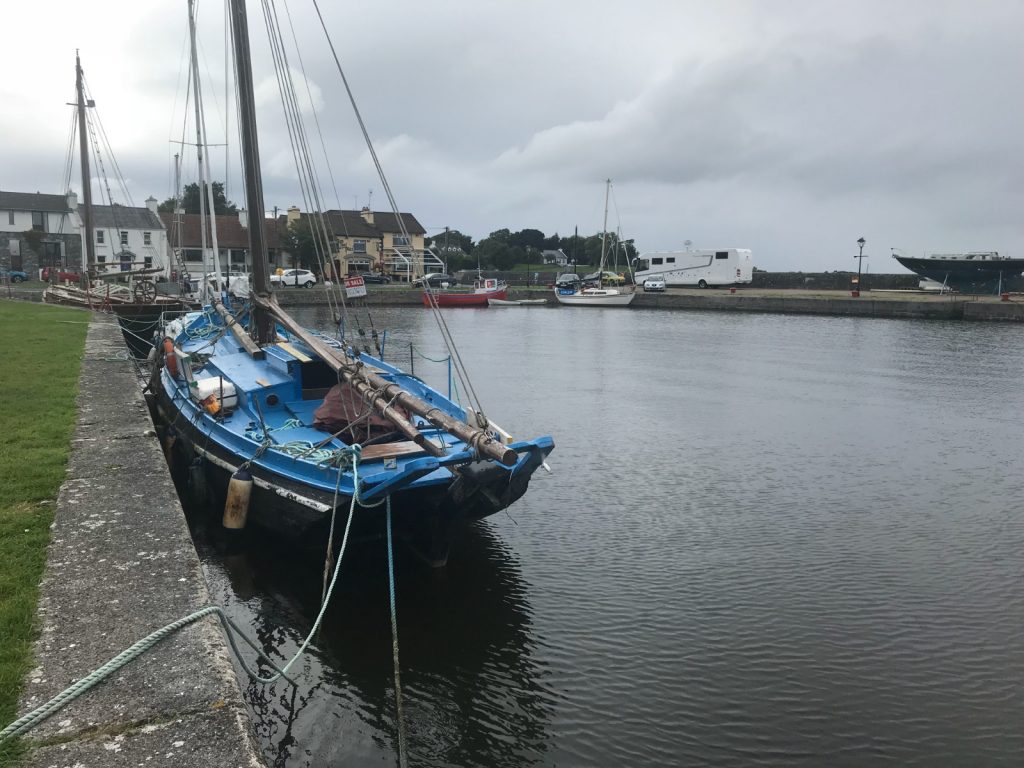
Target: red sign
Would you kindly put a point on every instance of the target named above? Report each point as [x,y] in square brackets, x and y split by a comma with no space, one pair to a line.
[354,287]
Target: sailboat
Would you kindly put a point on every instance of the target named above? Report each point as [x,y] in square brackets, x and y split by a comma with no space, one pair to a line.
[599,296]
[307,422]
[129,289]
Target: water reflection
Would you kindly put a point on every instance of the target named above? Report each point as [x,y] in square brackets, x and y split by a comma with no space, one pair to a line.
[768,540]
[472,688]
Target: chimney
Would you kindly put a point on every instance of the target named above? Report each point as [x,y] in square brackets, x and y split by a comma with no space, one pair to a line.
[72,201]
[367,215]
[294,214]
[151,203]
[243,218]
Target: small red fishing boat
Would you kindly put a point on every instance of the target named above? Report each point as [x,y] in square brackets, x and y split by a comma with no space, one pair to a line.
[476,296]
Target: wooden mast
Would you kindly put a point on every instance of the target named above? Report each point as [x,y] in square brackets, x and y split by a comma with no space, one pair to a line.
[251,169]
[83,142]
[384,393]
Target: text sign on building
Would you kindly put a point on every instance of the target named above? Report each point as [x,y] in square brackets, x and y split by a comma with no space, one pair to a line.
[354,287]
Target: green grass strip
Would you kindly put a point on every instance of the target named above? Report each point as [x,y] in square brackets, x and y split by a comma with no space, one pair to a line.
[40,359]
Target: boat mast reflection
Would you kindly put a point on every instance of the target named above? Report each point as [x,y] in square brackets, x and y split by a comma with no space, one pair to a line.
[473,691]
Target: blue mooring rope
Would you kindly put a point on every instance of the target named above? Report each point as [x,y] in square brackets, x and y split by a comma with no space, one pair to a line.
[402,754]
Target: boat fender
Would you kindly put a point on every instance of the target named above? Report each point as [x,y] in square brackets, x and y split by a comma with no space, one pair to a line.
[236,507]
[170,359]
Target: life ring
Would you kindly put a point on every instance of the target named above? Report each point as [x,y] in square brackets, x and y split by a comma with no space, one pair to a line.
[170,359]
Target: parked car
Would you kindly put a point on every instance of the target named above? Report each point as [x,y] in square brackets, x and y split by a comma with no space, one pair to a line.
[60,275]
[374,277]
[568,280]
[436,280]
[608,278]
[654,283]
[298,277]
[14,275]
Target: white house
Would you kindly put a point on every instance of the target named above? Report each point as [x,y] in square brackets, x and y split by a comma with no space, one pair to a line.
[127,238]
[555,257]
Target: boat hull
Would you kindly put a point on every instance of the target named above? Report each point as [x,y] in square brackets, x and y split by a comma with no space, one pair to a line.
[595,297]
[494,302]
[983,276]
[480,299]
[425,517]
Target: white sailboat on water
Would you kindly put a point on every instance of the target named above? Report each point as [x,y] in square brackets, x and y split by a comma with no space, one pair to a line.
[600,296]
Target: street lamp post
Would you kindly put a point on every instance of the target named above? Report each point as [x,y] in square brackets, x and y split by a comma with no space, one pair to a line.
[860,260]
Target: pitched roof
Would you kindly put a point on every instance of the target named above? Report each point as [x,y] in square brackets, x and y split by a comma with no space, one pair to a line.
[32,201]
[123,217]
[230,232]
[352,224]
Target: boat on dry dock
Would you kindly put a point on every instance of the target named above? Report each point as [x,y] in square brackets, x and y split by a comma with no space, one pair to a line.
[973,271]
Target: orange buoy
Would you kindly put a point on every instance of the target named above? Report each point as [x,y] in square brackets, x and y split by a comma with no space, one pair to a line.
[170,359]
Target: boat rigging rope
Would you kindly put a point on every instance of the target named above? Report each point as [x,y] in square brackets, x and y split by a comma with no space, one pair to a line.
[460,369]
[319,225]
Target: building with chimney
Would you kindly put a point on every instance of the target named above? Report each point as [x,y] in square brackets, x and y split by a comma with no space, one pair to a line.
[369,241]
[127,238]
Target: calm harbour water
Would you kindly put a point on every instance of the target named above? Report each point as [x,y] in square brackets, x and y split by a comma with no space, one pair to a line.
[767,540]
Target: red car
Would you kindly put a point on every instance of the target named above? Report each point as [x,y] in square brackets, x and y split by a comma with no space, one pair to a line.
[60,275]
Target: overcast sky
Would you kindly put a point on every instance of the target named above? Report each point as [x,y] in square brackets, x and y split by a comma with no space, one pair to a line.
[791,128]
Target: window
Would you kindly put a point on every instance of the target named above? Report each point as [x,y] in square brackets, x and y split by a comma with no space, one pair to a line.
[100,237]
[657,260]
[721,254]
[101,258]
[670,259]
[358,246]
[124,237]
[147,238]
[38,221]
[10,217]
[400,240]
[147,260]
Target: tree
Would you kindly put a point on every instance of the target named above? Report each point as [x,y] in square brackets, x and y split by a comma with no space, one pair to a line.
[298,241]
[527,238]
[456,241]
[190,200]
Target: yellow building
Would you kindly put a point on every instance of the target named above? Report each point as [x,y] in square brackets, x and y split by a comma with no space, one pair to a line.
[373,241]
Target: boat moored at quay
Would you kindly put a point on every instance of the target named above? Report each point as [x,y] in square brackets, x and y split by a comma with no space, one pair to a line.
[309,424]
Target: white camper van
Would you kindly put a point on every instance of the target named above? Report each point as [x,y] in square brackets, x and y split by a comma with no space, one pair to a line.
[702,267]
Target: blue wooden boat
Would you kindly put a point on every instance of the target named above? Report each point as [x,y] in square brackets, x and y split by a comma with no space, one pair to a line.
[316,424]
[230,409]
